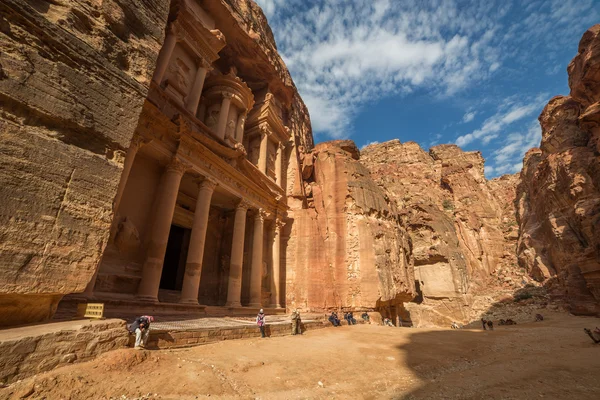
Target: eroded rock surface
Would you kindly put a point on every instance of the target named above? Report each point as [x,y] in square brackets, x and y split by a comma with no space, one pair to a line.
[559,197]
[348,247]
[73,77]
[462,227]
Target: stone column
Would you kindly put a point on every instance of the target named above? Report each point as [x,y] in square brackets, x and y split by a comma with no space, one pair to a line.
[135,145]
[201,115]
[164,56]
[193,266]
[262,157]
[164,209]
[239,128]
[223,114]
[234,287]
[193,98]
[275,281]
[257,260]
[279,165]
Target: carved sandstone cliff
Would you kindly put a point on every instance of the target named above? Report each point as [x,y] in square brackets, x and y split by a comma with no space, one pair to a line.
[462,227]
[348,248]
[559,197]
[73,78]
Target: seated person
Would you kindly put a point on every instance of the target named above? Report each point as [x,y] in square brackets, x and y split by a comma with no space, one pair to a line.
[365,317]
[351,319]
[333,318]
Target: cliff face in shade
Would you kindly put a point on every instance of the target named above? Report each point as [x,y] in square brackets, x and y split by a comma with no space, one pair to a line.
[73,78]
[348,248]
[462,227]
[559,197]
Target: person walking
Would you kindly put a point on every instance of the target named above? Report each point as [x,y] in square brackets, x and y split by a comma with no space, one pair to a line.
[296,321]
[141,328]
[260,321]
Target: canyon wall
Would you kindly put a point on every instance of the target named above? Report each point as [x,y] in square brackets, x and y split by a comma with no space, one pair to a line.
[73,78]
[559,197]
[462,227]
[347,248]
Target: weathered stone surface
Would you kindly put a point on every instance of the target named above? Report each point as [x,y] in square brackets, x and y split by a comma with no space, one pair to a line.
[29,351]
[348,247]
[73,77]
[559,194]
[462,227]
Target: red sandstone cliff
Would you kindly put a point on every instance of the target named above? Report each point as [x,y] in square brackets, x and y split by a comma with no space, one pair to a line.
[462,227]
[73,78]
[348,247]
[559,197]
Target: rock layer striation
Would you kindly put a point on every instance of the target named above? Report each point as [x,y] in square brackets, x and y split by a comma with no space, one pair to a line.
[559,194]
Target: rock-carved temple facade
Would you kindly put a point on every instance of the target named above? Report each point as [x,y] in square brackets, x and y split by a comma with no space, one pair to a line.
[201,200]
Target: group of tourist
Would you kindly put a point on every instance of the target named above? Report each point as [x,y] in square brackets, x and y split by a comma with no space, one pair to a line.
[141,325]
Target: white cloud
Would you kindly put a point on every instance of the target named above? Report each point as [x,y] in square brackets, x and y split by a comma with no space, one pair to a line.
[469,116]
[269,6]
[344,55]
[508,113]
[368,144]
[507,159]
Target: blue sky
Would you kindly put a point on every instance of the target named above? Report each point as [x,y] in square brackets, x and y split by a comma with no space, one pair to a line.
[474,73]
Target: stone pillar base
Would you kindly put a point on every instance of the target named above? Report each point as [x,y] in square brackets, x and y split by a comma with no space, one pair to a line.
[189,301]
[255,305]
[233,304]
[149,299]
[274,305]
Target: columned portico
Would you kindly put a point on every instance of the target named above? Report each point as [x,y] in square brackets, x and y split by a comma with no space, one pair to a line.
[163,215]
[193,266]
[257,260]
[276,263]
[234,288]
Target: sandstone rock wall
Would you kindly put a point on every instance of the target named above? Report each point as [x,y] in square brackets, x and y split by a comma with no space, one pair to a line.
[347,248]
[462,227]
[26,353]
[73,77]
[559,194]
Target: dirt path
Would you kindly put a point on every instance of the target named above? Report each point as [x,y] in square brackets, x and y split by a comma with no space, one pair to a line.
[553,359]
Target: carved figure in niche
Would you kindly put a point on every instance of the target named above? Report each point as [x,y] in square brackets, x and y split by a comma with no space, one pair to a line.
[306,162]
[231,128]
[213,119]
[179,72]
[127,238]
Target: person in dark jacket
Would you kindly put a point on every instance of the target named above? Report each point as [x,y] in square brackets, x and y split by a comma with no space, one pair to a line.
[333,318]
[141,328]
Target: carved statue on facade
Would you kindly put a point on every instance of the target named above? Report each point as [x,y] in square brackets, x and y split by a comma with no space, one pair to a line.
[306,162]
[213,119]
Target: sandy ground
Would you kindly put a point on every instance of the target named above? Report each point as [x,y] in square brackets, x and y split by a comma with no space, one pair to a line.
[552,359]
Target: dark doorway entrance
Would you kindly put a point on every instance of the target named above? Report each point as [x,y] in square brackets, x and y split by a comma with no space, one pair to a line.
[175,258]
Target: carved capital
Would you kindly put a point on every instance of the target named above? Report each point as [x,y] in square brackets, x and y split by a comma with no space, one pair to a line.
[205,64]
[278,224]
[264,131]
[179,166]
[227,95]
[208,183]
[139,141]
[260,215]
[243,205]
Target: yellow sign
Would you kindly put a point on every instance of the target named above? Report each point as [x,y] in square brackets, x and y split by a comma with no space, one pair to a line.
[90,310]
